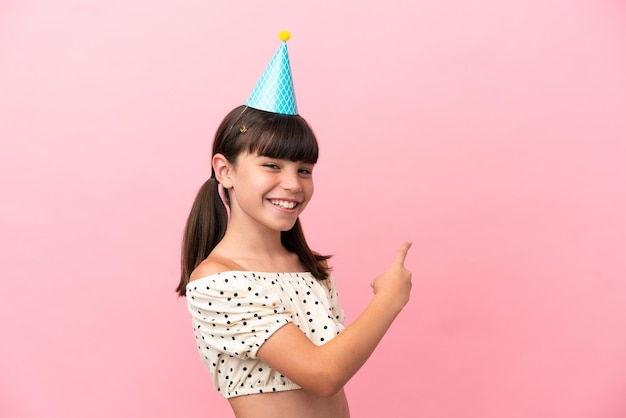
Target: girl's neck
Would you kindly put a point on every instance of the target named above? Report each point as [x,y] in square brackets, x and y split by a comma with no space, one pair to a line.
[252,241]
[257,250]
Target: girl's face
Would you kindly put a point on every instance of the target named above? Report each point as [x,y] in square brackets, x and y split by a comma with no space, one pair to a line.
[269,192]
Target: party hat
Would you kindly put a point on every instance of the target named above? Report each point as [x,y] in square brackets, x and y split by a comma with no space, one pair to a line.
[274,91]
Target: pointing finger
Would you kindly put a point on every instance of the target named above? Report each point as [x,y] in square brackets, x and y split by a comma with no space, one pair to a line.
[402,252]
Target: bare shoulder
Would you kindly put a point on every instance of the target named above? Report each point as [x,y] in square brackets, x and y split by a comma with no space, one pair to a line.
[213,265]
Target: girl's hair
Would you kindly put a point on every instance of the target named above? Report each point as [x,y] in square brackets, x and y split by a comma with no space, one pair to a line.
[273,135]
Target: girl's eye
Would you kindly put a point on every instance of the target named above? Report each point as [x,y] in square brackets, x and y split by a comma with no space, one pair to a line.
[305,171]
[271,165]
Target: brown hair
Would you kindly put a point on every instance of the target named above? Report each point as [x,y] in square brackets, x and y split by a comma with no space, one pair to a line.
[273,135]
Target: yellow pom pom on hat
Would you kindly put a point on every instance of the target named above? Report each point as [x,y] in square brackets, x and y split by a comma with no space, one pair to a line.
[274,91]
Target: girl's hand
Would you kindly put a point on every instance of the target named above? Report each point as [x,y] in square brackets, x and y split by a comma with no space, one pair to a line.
[395,283]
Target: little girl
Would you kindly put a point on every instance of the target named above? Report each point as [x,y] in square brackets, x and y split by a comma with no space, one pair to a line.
[265,311]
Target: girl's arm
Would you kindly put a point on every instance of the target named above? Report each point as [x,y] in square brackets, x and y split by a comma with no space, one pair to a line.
[325,369]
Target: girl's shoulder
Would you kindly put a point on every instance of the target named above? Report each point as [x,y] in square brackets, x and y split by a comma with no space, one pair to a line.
[213,265]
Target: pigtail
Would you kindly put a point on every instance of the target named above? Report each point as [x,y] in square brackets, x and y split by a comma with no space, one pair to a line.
[294,241]
[206,226]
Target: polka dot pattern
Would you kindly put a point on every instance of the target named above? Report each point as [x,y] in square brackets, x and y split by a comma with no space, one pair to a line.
[234,313]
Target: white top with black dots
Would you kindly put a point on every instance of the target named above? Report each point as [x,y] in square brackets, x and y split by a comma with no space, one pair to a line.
[235,312]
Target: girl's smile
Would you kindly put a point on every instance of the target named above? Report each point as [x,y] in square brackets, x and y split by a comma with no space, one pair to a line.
[287,205]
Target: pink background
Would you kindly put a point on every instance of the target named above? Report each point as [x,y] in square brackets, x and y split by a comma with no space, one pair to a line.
[491,133]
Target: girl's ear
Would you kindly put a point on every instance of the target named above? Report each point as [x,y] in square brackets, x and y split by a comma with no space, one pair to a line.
[223,170]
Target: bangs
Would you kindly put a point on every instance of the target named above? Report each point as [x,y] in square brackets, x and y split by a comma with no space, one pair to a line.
[286,137]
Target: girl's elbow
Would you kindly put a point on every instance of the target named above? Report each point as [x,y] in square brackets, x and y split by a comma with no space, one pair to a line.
[326,386]
[325,377]
[330,390]
[324,391]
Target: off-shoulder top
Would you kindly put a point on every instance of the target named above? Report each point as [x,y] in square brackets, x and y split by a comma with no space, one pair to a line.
[235,312]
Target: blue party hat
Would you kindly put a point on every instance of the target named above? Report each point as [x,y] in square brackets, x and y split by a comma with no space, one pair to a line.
[274,91]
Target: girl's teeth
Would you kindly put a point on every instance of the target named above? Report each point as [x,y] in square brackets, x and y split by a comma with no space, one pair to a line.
[283,204]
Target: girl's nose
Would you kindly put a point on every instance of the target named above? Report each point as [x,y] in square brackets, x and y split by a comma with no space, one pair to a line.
[291,182]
